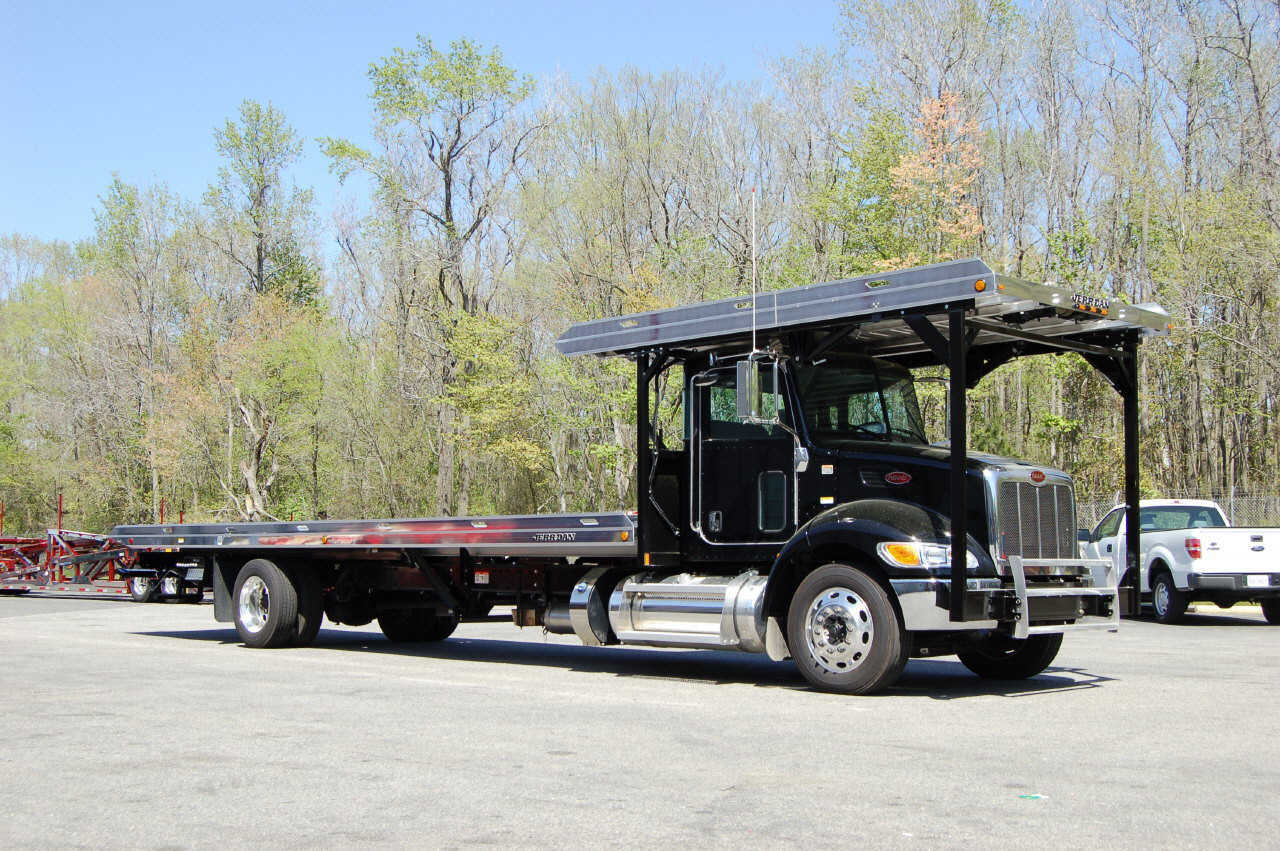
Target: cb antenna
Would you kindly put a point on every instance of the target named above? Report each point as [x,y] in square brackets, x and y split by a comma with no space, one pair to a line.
[754,347]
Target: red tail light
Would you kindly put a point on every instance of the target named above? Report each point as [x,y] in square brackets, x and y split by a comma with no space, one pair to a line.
[1193,547]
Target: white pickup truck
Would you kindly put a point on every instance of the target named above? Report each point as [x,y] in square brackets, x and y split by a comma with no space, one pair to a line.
[1190,552]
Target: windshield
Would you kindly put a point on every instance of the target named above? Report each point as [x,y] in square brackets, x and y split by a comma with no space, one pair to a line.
[855,397]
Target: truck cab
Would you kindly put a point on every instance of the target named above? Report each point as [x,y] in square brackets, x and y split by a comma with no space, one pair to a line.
[802,458]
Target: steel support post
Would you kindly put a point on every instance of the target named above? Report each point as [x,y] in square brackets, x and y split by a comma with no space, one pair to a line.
[1132,519]
[957,354]
[643,510]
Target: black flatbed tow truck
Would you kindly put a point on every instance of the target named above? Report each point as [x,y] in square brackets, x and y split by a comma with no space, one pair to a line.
[800,512]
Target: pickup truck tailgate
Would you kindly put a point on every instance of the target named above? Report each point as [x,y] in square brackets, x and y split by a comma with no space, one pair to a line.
[1228,550]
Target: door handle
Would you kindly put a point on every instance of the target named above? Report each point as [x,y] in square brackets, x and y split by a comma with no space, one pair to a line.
[1109,546]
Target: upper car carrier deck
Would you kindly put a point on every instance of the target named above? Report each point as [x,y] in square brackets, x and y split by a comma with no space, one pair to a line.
[880,313]
[610,535]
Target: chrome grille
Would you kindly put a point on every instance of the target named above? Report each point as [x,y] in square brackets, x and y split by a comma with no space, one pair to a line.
[1036,521]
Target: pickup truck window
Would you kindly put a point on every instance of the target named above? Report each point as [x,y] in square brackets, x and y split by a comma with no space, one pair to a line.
[854,397]
[1109,525]
[1168,517]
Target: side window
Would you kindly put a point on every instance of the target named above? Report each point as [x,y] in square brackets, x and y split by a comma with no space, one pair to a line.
[772,516]
[1109,525]
[722,411]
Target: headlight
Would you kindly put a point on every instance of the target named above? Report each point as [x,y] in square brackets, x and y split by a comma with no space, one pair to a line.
[916,554]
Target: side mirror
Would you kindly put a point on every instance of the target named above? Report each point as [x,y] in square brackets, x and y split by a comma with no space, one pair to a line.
[750,392]
[1083,536]
[749,401]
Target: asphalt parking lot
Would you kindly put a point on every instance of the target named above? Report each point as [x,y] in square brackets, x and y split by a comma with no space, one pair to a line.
[150,726]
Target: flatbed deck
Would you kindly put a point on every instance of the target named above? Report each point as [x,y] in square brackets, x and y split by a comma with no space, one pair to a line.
[607,535]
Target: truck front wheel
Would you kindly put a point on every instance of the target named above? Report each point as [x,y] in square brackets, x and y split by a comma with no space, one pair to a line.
[1169,603]
[266,604]
[844,633]
[1004,658]
[415,625]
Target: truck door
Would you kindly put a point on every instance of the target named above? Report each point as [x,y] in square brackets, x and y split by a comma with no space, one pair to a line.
[743,477]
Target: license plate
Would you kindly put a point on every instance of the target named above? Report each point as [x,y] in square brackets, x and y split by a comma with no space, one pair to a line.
[1257,581]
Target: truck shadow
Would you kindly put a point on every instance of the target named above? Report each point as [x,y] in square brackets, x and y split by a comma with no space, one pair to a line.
[934,679]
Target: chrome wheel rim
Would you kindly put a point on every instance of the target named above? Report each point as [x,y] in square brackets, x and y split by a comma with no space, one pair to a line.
[254,604]
[1161,598]
[839,630]
[140,586]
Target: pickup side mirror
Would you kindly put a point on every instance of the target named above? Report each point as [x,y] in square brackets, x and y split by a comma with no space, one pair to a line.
[1083,536]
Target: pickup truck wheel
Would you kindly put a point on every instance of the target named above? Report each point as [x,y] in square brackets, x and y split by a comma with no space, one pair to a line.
[266,604]
[1169,603]
[142,589]
[1271,611]
[416,625]
[1004,658]
[844,633]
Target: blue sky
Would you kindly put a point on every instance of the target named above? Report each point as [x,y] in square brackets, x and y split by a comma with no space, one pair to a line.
[92,88]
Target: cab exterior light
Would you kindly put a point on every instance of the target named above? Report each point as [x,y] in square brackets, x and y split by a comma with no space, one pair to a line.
[916,554]
[979,285]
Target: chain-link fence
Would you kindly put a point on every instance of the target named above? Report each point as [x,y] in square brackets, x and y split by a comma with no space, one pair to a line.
[1241,510]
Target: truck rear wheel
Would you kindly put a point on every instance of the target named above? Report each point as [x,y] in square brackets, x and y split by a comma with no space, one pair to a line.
[142,589]
[1167,601]
[844,633]
[266,604]
[1004,658]
[1271,611]
[310,606]
[416,625]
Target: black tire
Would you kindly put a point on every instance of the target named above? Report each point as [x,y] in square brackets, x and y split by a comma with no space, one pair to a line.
[1168,603]
[142,589]
[310,606]
[1271,611]
[416,625]
[1004,658]
[844,633]
[265,601]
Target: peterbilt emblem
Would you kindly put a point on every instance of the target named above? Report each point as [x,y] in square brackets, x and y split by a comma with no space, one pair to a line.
[1037,477]
[897,477]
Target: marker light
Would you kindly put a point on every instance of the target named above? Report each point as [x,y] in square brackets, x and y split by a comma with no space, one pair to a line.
[979,285]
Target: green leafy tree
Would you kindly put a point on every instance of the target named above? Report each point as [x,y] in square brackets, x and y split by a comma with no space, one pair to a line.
[256,220]
[452,148]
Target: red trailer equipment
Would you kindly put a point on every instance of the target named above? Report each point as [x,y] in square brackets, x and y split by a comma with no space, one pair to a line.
[64,561]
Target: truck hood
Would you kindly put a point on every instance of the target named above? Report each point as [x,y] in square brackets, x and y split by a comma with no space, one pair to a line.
[940,453]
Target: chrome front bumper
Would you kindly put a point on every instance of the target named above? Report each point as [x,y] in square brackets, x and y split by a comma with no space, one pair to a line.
[918,598]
